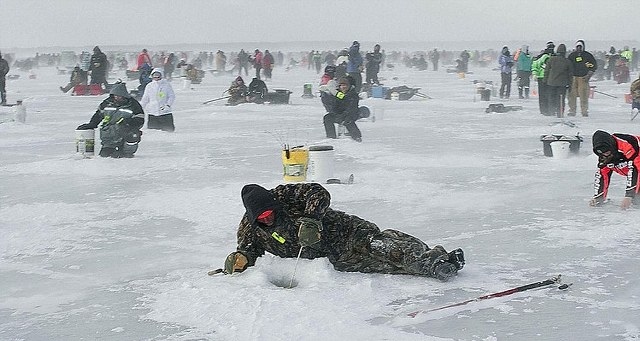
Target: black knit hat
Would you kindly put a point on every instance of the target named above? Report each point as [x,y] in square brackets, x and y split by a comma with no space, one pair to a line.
[257,199]
[603,142]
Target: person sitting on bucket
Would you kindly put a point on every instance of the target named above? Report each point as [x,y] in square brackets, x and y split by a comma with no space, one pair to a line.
[257,91]
[344,111]
[618,153]
[121,117]
[295,219]
[157,101]
[78,76]
[238,92]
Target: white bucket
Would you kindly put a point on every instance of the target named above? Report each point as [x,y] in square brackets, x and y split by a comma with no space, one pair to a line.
[85,142]
[394,96]
[321,164]
[560,149]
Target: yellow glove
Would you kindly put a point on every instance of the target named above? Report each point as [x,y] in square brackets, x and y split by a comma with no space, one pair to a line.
[235,262]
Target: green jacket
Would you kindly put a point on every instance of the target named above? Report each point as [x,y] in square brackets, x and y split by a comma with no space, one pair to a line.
[538,65]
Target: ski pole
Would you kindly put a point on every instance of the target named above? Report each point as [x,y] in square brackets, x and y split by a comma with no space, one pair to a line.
[215,99]
[550,281]
[295,268]
[606,94]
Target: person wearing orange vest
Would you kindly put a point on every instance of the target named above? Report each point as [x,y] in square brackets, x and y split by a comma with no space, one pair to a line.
[616,153]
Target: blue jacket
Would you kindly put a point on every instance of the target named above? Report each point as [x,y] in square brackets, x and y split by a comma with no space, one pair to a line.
[506,63]
[355,59]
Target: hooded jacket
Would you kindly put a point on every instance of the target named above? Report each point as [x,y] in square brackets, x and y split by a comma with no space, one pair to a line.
[126,115]
[583,62]
[505,61]
[625,161]
[158,96]
[355,59]
[559,70]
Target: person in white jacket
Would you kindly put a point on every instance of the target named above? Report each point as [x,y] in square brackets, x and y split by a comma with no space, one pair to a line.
[157,101]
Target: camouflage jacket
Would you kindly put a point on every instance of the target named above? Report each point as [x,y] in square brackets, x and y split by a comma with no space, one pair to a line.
[342,234]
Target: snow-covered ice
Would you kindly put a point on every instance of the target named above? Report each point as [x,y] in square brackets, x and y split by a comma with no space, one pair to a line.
[119,249]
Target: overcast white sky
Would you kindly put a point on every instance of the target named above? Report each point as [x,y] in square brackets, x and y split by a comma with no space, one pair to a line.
[37,23]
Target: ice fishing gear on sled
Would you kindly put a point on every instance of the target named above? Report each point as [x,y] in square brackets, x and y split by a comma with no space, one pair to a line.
[403,93]
[501,108]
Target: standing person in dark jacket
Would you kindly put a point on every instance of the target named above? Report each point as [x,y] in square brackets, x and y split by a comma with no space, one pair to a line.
[434,56]
[616,153]
[98,67]
[121,117]
[373,65]
[354,65]
[344,111]
[558,77]
[4,69]
[584,66]
[296,219]
[243,62]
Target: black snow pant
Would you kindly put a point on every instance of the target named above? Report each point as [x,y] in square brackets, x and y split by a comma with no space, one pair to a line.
[3,90]
[331,119]
[505,87]
[543,98]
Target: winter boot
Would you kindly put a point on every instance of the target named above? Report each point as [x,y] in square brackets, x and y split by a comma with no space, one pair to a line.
[456,257]
[444,270]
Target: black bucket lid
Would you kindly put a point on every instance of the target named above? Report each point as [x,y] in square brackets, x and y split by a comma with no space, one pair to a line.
[320,148]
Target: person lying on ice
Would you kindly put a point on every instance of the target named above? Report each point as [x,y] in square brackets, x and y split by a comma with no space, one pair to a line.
[294,217]
[616,153]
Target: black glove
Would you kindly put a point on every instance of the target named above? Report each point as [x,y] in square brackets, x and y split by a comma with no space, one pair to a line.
[309,231]
[84,126]
[235,262]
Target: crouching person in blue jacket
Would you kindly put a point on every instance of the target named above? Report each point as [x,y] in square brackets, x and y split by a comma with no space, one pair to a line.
[120,118]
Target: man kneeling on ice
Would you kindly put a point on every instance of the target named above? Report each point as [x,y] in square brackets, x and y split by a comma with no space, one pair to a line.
[295,219]
[618,153]
[121,117]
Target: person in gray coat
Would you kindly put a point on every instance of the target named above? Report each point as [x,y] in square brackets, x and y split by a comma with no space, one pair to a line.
[558,76]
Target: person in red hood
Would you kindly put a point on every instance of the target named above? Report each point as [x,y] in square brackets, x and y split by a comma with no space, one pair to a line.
[616,153]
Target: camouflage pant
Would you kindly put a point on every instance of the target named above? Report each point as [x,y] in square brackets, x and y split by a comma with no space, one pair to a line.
[390,252]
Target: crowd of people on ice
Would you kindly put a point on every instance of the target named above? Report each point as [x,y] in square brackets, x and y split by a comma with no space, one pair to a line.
[295,220]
